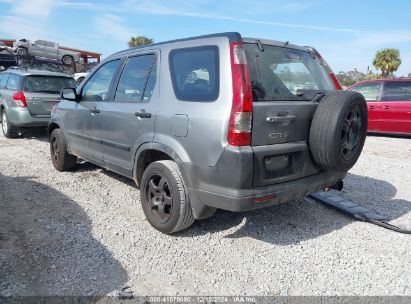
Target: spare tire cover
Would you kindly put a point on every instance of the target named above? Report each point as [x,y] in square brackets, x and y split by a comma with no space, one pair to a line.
[338,130]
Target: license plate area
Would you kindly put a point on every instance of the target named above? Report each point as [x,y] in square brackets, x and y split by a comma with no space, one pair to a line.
[281,162]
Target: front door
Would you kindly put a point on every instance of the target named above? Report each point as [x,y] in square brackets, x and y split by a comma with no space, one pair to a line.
[127,121]
[371,92]
[83,121]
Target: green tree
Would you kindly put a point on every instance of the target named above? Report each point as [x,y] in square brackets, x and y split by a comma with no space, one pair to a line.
[139,40]
[387,60]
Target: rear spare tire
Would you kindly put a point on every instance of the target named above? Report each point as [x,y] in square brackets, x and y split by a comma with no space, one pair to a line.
[338,130]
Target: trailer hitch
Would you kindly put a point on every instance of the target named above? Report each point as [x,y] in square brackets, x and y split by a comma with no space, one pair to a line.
[354,209]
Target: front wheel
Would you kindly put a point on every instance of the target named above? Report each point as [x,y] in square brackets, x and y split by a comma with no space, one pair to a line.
[61,159]
[22,51]
[164,199]
[8,129]
[67,60]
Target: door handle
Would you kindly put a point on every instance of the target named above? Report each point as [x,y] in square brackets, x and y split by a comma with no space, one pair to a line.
[143,114]
[386,107]
[94,111]
[372,107]
[281,119]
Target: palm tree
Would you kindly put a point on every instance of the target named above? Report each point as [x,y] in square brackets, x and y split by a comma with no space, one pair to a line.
[139,40]
[387,60]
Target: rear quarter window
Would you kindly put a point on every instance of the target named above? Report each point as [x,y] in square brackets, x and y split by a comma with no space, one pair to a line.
[195,73]
[13,82]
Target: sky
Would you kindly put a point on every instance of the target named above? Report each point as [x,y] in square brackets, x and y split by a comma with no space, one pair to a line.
[347,33]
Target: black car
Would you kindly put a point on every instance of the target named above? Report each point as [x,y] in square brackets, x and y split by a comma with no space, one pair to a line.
[7,58]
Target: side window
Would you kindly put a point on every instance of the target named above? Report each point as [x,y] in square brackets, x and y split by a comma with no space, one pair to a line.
[137,79]
[396,91]
[370,90]
[49,44]
[13,82]
[195,73]
[96,89]
[39,42]
[3,80]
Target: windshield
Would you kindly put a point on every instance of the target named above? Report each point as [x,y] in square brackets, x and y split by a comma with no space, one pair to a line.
[279,73]
[48,84]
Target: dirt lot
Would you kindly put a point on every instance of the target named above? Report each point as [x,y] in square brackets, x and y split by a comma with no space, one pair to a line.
[85,233]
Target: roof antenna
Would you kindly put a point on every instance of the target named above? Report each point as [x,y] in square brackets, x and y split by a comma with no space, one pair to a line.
[286,43]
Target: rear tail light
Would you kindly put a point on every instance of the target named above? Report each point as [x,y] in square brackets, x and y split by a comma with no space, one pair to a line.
[239,129]
[327,68]
[20,99]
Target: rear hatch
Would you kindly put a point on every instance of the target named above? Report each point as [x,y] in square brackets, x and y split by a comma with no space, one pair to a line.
[286,82]
[43,91]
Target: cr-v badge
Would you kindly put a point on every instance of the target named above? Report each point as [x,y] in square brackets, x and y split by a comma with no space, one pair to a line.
[276,135]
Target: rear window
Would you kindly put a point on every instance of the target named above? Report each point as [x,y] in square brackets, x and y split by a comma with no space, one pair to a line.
[279,73]
[396,91]
[48,84]
[194,73]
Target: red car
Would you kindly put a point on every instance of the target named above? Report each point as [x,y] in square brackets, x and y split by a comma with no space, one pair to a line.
[389,104]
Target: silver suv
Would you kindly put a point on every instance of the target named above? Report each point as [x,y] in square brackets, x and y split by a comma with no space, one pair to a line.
[210,122]
[27,96]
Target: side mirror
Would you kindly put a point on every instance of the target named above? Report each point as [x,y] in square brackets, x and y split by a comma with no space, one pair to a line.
[69,94]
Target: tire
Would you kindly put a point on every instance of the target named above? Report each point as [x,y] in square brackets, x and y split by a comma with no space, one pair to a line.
[338,130]
[22,51]
[9,131]
[67,60]
[61,159]
[164,199]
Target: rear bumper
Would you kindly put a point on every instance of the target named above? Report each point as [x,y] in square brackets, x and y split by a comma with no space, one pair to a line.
[269,195]
[21,117]
[238,183]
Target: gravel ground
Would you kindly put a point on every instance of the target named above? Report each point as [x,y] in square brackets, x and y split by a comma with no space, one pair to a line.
[85,233]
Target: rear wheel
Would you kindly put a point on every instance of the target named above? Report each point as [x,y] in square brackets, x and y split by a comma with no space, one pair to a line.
[338,130]
[61,159]
[8,129]
[164,199]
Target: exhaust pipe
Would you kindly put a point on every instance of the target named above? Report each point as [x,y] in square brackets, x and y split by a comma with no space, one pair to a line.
[338,186]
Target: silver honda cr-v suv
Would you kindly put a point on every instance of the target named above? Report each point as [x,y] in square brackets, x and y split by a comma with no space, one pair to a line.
[210,122]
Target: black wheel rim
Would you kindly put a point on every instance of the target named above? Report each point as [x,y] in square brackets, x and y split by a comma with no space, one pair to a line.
[350,134]
[159,198]
[55,151]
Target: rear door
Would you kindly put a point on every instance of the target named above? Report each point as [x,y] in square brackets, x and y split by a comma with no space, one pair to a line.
[371,92]
[43,92]
[396,107]
[284,82]
[127,121]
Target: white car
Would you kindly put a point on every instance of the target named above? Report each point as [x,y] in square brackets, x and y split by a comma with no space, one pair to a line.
[79,77]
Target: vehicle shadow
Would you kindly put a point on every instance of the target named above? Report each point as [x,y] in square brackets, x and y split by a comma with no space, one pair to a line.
[298,221]
[47,246]
[35,133]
